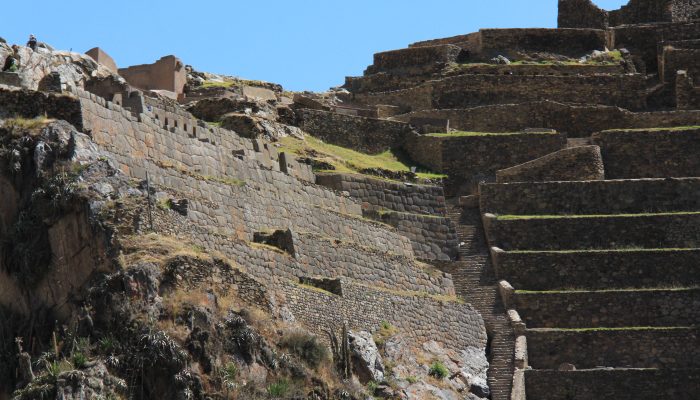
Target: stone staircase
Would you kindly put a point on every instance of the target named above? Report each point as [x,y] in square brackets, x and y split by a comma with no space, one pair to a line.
[475,281]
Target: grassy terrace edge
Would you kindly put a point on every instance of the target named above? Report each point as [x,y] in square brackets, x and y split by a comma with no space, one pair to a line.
[516,217]
[616,329]
[476,134]
[628,290]
[659,129]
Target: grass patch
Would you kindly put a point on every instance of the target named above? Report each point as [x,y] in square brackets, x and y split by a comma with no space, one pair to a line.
[470,134]
[526,217]
[438,370]
[19,126]
[305,346]
[658,129]
[346,160]
[213,84]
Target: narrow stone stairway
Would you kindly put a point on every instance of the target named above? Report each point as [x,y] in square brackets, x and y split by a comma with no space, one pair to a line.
[476,282]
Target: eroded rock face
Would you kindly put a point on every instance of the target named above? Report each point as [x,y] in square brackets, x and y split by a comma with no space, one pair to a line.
[467,370]
[36,65]
[367,362]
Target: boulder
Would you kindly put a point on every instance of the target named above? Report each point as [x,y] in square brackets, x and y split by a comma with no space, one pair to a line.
[367,362]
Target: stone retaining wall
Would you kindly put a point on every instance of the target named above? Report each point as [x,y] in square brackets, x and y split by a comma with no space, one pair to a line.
[650,154]
[469,160]
[646,231]
[462,91]
[598,269]
[413,61]
[224,187]
[488,42]
[593,197]
[618,384]
[382,194]
[420,319]
[332,258]
[583,163]
[30,104]
[572,120]
[609,308]
[363,134]
[432,237]
[629,348]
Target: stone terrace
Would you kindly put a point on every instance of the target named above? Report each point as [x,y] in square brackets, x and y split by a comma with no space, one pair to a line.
[601,280]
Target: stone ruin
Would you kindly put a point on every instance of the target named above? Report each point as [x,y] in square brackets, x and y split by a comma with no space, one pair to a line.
[563,245]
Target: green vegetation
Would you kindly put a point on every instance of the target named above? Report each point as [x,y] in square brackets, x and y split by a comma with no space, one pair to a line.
[438,370]
[411,379]
[345,160]
[658,129]
[79,360]
[386,331]
[372,386]
[525,217]
[463,134]
[307,347]
[20,126]
[223,84]
[279,388]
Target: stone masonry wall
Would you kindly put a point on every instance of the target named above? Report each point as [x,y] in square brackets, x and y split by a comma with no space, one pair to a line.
[603,269]
[643,40]
[319,256]
[425,150]
[636,348]
[433,237]
[363,134]
[598,197]
[675,60]
[416,211]
[225,188]
[464,91]
[469,160]
[573,120]
[381,194]
[583,163]
[585,14]
[581,14]
[421,319]
[574,309]
[618,384]
[487,42]
[650,154]
[654,231]
[30,104]
[413,61]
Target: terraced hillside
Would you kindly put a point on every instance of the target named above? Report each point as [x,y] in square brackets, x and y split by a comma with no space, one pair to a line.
[507,214]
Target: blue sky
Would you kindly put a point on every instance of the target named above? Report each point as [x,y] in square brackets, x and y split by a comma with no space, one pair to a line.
[302,44]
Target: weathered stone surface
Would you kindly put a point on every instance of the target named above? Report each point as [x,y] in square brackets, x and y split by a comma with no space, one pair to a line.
[367,362]
[573,164]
